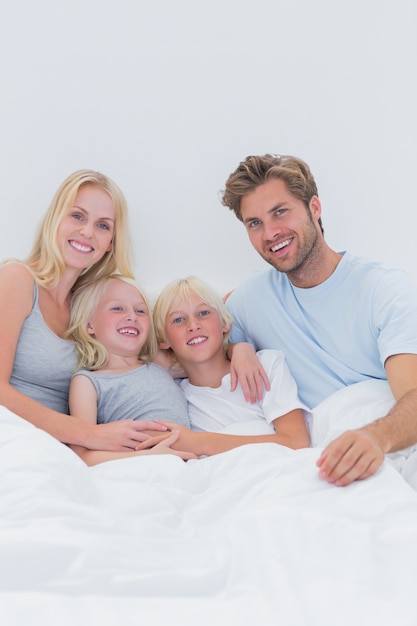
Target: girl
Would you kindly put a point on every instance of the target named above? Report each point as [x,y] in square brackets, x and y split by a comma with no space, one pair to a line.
[115,343]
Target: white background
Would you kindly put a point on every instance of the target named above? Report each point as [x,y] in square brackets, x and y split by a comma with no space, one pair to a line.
[166,97]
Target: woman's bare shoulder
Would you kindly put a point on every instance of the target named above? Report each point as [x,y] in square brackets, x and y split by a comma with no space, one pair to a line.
[16,279]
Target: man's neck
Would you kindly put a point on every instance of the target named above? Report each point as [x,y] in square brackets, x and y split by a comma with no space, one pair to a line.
[316,269]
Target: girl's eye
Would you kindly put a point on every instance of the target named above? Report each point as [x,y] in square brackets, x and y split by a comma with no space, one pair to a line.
[116,308]
[140,312]
[177,320]
[204,313]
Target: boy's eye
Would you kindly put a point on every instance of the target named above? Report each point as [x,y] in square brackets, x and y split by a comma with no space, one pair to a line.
[116,308]
[140,312]
[204,313]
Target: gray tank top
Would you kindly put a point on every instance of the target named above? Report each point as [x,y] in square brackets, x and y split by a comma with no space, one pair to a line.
[145,393]
[44,363]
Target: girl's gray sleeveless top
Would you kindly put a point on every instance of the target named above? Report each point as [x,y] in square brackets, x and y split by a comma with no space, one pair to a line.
[43,363]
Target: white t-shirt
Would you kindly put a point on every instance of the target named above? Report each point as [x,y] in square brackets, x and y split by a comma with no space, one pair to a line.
[213,409]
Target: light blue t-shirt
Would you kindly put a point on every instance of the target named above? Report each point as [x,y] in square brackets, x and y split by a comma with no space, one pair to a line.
[333,335]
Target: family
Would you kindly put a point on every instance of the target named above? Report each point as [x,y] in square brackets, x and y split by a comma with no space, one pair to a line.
[87,359]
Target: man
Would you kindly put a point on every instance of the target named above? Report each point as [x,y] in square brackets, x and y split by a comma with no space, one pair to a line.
[338,318]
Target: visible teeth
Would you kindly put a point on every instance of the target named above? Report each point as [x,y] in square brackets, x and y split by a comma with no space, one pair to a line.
[196,340]
[128,331]
[80,247]
[280,245]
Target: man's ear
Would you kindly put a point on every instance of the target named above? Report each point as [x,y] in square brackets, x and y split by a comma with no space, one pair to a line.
[315,208]
[90,329]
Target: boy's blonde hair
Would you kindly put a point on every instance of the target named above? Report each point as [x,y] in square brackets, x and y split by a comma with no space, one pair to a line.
[92,355]
[181,290]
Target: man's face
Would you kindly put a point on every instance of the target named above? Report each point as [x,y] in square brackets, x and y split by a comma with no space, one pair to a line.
[279,225]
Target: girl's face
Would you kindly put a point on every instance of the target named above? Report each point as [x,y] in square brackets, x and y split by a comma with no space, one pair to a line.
[194,331]
[86,232]
[121,319]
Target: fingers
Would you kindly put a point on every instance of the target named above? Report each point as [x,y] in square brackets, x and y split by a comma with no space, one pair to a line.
[152,441]
[139,425]
[169,441]
[254,385]
[352,456]
[233,379]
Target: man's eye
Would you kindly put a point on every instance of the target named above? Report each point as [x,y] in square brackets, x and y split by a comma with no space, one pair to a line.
[254,223]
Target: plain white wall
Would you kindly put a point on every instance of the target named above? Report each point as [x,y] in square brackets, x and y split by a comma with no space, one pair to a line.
[167,97]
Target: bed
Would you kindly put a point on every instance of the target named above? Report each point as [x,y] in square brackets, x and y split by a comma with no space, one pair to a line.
[251,536]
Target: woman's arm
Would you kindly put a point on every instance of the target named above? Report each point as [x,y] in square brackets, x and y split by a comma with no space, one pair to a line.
[94,457]
[16,294]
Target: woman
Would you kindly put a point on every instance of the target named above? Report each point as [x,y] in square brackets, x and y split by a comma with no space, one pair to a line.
[83,236]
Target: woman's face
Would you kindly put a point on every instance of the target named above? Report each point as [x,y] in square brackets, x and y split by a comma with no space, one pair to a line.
[86,231]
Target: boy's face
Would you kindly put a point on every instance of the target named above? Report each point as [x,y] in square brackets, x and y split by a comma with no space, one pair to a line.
[194,331]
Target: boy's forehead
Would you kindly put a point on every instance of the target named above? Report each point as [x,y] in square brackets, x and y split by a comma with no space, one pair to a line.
[186,300]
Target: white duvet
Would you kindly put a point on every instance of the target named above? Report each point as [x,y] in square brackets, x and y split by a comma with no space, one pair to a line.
[248,537]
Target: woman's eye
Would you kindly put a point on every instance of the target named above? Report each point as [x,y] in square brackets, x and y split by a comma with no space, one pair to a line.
[103,226]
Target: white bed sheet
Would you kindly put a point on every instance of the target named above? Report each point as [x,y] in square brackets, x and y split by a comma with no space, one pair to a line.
[251,536]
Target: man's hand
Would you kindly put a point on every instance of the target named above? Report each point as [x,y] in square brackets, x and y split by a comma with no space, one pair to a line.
[355,455]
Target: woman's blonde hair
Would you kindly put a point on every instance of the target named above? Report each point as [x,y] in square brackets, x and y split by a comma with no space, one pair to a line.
[45,260]
[182,290]
[92,355]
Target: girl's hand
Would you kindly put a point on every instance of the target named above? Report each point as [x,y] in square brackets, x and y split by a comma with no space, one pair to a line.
[246,369]
[164,447]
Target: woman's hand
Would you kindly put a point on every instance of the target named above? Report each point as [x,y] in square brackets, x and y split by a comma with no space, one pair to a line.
[122,435]
[247,370]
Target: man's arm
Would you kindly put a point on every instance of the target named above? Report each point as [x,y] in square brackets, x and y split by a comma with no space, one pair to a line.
[357,454]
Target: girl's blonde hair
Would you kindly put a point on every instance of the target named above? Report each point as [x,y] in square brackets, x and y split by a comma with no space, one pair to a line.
[92,355]
[45,261]
[182,290]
